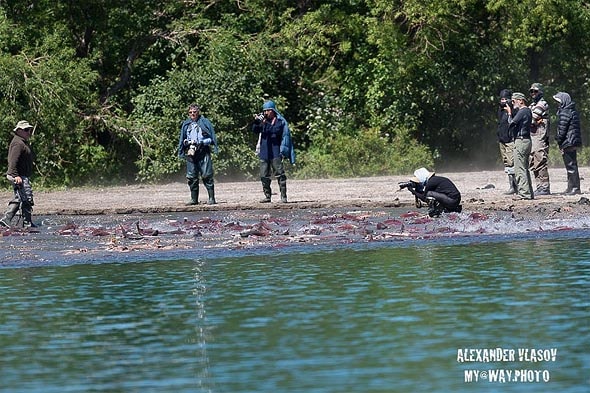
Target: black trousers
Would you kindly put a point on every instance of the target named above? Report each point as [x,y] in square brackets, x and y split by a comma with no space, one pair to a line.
[570,160]
[446,201]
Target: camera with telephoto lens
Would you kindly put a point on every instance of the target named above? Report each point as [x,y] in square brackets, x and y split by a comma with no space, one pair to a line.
[406,184]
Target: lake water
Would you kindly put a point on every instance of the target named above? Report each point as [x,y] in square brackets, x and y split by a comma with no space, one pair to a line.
[400,317]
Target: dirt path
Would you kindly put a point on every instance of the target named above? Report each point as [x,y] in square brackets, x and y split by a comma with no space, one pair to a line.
[375,192]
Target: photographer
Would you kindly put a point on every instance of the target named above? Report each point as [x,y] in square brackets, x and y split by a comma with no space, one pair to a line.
[520,118]
[505,141]
[439,192]
[197,136]
[274,145]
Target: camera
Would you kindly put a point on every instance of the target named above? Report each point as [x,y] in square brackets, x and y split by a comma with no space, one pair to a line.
[503,105]
[259,117]
[406,184]
[192,149]
[411,186]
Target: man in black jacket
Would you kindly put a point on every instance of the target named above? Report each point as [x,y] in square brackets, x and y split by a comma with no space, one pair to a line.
[439,192]
[520,128]
[569,138]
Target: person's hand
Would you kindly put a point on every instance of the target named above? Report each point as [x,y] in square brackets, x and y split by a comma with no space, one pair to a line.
[18,180]
[258,118]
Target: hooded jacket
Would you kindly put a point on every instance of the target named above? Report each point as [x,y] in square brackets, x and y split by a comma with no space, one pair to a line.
[275,138]
[569,133]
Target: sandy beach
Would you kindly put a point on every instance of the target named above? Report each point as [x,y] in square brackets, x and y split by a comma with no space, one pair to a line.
[481,192]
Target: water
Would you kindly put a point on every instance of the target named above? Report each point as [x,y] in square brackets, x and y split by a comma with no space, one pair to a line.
[388,318]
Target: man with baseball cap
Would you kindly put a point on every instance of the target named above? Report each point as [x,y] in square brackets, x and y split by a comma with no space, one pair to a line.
[20,169]
[520,129]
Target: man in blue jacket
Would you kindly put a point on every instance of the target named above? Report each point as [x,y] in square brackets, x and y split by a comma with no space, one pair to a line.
[275,144]
[197,138]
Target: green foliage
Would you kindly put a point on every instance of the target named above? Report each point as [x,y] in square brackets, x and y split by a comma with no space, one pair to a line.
[365,154]
[228,88]
[368,86]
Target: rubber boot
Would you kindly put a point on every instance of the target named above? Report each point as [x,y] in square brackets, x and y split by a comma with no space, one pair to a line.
[193,185]
[512,183]
[283,188]
[27,210]
[266,189]
[211,193]
[9,215]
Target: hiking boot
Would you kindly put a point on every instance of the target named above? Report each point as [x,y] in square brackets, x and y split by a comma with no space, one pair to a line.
[434,208]
[521,198]
[27,224]
[265,200]
[573,191]
[542,191]
[191,203]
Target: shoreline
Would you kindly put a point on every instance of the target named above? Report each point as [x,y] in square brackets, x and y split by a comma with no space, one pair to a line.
[481,191]
[147,222]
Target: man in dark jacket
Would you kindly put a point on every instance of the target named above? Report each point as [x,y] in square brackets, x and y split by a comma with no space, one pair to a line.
[505,141]
[520,128]
[569,138]
[197,138]
[439,192]
[20,169]
[274,145]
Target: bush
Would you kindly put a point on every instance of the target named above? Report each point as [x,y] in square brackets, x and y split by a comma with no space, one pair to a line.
[365,154]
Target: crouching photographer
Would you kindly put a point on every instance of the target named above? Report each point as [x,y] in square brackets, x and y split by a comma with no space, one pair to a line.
[440,193]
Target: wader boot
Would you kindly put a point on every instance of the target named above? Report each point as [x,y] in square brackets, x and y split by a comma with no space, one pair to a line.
[9,215]
[27,210]
[210,191]
[266,189]
[512,183]
[193,185]
[283,188]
